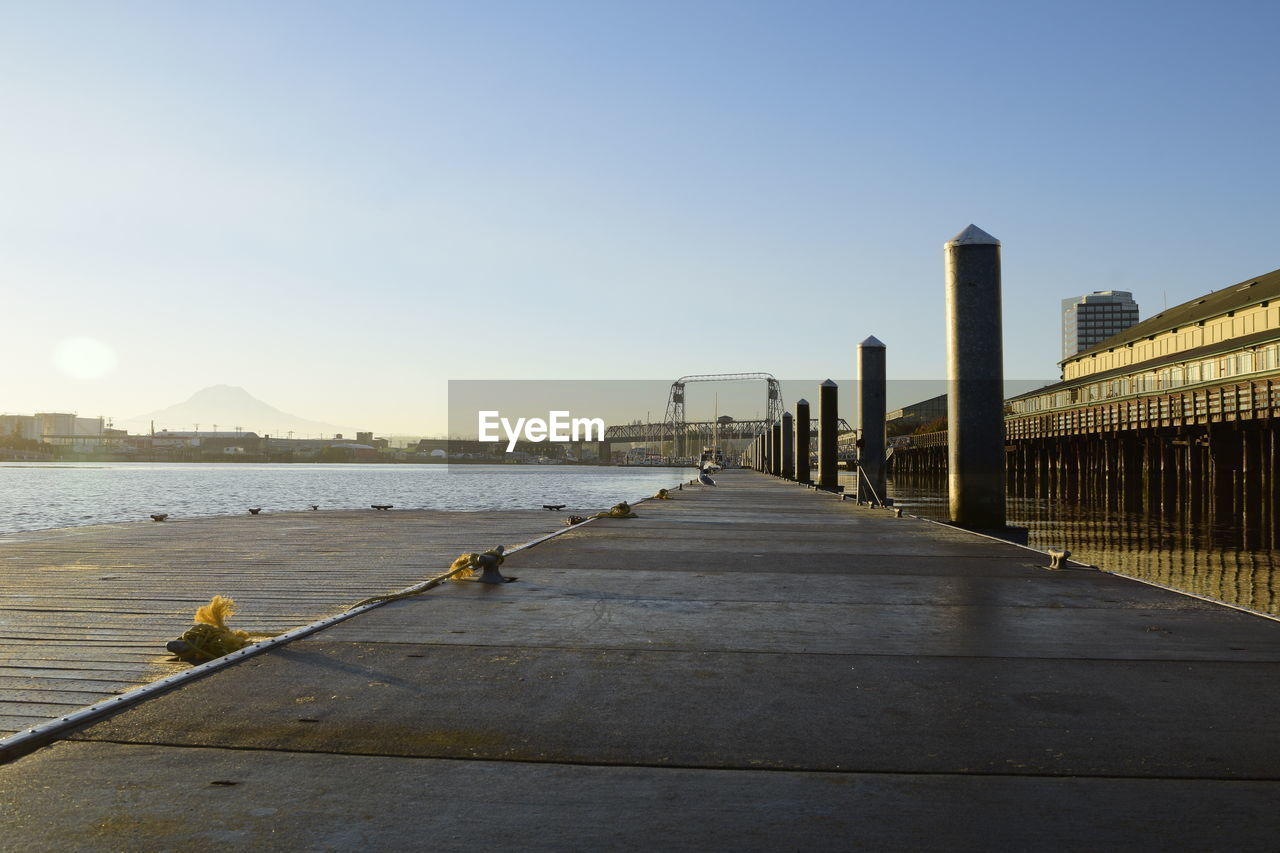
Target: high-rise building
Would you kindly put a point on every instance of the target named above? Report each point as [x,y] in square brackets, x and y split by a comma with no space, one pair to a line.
[1091,319]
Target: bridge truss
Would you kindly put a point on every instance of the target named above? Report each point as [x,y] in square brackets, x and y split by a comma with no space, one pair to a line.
[689,442]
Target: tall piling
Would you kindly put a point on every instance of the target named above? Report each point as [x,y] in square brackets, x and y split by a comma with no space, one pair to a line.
[827,420]
[803,474]
[788,447]
[872,396]
[975,380]
[775,443]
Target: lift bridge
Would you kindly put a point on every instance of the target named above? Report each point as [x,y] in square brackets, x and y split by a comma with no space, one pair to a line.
[686,438]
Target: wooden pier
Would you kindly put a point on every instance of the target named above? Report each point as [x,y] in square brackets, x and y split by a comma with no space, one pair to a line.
[755,666]
[85,612]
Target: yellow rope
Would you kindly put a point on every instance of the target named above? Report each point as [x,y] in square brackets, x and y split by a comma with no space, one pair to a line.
[662,495]
[622,510]
[210,637]
[461,568]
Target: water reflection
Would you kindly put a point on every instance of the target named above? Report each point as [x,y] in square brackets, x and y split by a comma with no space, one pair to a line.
[1216,557]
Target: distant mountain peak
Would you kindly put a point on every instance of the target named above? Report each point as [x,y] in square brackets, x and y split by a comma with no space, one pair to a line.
[231,406]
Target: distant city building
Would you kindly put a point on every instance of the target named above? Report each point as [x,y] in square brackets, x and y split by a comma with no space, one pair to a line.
[19,426]
[917,414]
[1089,320]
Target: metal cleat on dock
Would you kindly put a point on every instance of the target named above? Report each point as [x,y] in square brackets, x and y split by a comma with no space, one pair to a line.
[488,563]
[1056,558]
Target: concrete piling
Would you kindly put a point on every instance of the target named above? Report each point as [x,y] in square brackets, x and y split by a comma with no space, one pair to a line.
[872,396]
[975,380]
[788,447]
[827,421]
[803,474]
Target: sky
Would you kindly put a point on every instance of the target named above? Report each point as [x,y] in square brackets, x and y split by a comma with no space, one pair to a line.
[341,206]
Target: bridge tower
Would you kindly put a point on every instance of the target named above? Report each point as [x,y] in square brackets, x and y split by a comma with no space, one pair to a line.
[675,423]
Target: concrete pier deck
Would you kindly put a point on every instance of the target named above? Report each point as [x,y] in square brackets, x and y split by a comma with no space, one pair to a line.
[85,611]
[751,667]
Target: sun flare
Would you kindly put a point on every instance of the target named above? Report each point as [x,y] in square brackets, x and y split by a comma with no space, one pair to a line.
[84,358]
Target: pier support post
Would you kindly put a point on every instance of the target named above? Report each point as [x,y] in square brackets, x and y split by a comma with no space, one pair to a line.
[975,380]
[604,453]
[788,446]
[803,474]
[775,442]
[872,395]
[827,421]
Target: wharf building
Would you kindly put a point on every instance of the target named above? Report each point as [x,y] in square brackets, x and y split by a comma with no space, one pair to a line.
[1178,411]
[1093,318]
[908,418]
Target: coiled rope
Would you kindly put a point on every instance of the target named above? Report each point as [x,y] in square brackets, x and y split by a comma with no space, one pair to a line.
[210,637]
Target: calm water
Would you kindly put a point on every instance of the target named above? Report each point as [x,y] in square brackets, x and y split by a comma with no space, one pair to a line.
[37,496]
[1216,560]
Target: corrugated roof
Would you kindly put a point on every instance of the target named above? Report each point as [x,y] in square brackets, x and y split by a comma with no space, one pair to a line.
[1241,295]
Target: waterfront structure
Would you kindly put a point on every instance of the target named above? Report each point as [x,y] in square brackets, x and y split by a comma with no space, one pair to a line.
[1178,414]
[1090,319]
[19,426]
[904,420]
[1224,337]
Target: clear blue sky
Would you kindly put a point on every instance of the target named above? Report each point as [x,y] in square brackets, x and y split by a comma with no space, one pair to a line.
[339,206]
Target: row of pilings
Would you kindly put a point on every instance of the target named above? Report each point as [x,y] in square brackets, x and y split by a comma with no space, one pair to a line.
[785,450]
[1220,475]
[975,400]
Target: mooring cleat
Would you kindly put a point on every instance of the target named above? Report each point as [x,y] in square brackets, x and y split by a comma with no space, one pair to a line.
[1056,558]
[488,564]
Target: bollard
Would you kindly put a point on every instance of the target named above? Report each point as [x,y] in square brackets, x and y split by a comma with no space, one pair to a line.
[872,394]
[788,447]
[827,420]
[488,563]
[803,474]
[975,380]
[775,450]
